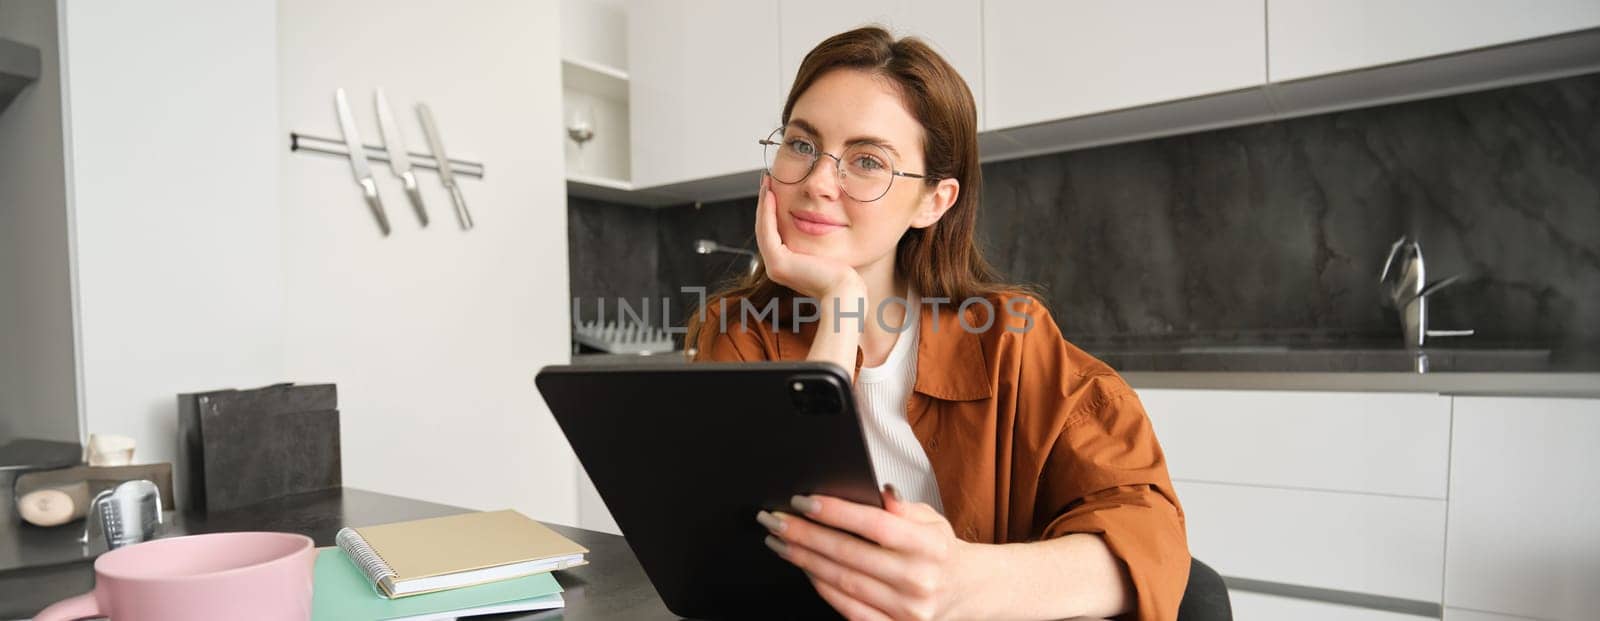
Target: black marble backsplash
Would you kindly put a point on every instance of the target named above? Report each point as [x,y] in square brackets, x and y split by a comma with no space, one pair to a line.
[1272,233]
[647,255]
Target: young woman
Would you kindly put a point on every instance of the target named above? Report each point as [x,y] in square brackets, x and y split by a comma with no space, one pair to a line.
[1021,476]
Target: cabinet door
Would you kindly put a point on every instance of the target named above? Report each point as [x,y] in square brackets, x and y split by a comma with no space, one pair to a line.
[1046,60]
[702,88]
[1374,443]
[1524,507]
[1317,37]
[1391,546]
[1458,614]
[953,27]
[1251,606]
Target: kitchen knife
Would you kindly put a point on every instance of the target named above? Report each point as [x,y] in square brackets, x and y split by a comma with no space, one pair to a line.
[430,130]
[358,160]
[399,161]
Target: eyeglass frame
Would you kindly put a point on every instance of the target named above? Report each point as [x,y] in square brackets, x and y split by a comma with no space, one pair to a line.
[838,167]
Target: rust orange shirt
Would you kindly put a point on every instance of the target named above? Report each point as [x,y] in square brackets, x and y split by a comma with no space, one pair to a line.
[1030,437]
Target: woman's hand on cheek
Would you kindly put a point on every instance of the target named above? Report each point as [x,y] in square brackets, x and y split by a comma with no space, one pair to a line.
[909,566]
[811,276]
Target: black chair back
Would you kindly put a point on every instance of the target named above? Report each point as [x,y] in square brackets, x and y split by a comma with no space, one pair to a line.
[1206,597]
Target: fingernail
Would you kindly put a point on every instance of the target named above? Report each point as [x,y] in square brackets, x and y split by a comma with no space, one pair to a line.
[888,490]
[772,522]
[777,545]
[804,504]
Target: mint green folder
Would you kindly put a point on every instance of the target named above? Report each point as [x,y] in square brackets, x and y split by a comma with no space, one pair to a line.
[342,592]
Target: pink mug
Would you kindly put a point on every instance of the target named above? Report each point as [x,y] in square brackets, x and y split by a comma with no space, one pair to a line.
[255,576]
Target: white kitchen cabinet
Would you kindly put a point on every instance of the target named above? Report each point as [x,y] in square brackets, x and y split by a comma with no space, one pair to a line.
[1461,614]
[1361,543]
[1333,490]
[596,95]
[1317,37]
[1525,507]
[1252,606]
[1047,60]
[1375,443]
[709,78]
[703,88]
[952,27]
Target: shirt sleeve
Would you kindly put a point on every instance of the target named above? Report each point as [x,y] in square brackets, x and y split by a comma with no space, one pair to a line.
[1105,473]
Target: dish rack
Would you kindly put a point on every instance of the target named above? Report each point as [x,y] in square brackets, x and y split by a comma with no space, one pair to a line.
[627,338]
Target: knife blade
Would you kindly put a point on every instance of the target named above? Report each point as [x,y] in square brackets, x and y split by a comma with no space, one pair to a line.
[358,160]
[399,161]
[430,130]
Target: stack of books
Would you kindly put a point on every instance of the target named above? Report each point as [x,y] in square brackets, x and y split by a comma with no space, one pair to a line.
[442,568]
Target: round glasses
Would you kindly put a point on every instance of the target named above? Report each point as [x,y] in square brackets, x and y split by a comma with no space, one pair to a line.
[865,170]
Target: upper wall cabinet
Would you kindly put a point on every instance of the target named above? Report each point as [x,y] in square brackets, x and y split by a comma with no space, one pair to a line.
[1319,37]
[708,78]
[1046,60]
[704,87]
[952,27]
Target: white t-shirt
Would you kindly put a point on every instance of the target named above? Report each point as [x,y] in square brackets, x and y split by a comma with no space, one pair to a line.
[881,393]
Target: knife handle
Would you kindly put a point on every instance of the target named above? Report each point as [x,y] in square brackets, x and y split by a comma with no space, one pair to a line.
[369,189]
[461,207]
[409,179]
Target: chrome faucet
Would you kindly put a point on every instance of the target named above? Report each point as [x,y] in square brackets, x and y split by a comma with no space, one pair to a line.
[1402,283]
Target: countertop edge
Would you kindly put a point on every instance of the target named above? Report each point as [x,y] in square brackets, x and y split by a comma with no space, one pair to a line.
[1575,385]
[1549,385]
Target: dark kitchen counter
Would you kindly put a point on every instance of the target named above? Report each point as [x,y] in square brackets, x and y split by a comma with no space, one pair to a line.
[1460,367]
[1320,363]
[604,359]
[1278,359]
[611,586]
[1556,385]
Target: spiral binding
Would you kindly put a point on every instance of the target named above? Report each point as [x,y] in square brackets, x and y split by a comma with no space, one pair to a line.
[357,549]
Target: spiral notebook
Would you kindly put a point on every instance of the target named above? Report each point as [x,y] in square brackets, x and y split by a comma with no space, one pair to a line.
[422,556]
[343,594]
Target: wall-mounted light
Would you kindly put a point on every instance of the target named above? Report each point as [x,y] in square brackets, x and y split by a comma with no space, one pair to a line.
[706,246]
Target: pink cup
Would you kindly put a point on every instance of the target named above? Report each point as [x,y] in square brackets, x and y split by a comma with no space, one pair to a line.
[244,576]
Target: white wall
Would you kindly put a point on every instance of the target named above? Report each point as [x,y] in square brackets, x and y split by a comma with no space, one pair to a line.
[38,376]
[209,256]
[172,139]
[433,335]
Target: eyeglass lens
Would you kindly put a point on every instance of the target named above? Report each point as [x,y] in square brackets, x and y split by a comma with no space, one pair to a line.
[865,170]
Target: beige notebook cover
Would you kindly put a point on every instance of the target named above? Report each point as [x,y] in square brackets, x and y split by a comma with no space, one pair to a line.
[408,558]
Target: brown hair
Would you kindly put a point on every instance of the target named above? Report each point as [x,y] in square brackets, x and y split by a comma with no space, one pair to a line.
[941,260]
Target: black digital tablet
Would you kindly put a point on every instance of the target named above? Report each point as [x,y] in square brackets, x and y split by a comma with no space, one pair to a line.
[684,455]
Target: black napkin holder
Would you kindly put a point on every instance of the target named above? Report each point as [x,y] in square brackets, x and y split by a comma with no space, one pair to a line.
[240,447]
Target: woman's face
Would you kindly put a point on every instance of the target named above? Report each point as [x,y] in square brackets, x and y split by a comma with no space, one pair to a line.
[842,109]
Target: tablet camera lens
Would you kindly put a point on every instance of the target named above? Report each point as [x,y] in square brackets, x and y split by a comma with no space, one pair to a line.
[815,397]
